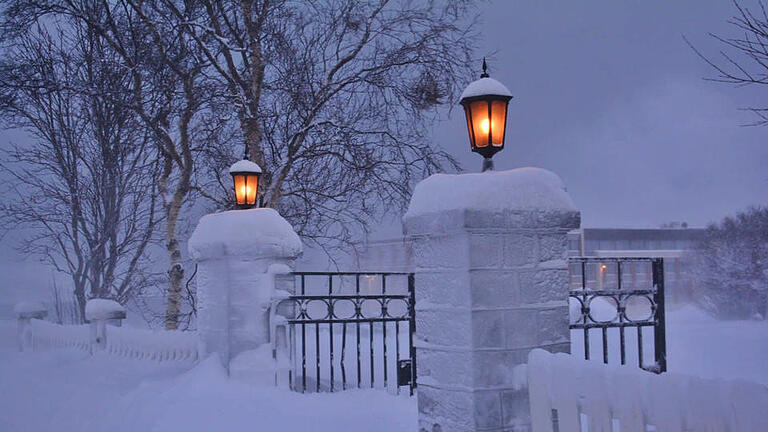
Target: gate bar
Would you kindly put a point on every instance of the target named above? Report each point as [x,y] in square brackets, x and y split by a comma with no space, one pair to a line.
[384,325]
[357,329]
[412,328]
[659,331]
[330,324]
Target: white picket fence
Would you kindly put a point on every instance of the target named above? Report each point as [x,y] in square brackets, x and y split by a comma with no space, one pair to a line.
[153,345]
[568,394]
[46,335]
[120,341]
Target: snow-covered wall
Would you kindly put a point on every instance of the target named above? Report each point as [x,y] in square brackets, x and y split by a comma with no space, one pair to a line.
[234,251]
[578,395]
[489,252]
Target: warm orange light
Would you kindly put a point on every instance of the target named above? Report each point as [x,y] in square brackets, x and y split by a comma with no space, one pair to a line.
[603,267]
[498,120]
[485,106]
[245,175]
[246,187]
[486,123]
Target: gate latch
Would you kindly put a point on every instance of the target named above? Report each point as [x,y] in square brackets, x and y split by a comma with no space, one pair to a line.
[403,372]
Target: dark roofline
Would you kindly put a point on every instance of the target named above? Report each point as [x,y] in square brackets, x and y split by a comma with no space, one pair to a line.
[643,233]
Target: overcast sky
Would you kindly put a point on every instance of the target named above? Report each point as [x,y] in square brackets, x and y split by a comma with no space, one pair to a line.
[608,96]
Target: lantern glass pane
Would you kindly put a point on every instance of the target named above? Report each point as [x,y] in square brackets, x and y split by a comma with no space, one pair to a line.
[251,188]
[481,126]
[469,126]
[498,122]
[240,188]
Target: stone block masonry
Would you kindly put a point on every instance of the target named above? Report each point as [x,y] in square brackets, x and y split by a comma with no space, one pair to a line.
[489,252]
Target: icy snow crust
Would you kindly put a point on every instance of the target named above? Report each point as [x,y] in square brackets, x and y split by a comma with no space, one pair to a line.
[244,166]
[485,86]
[103,309]
[526,189]
[248,233]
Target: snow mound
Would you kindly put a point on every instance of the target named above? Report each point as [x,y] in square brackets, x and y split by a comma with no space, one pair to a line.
[517,189]
[250,233]
[255,359]
[485,86]
[29,307]
[244,166]
[97,309]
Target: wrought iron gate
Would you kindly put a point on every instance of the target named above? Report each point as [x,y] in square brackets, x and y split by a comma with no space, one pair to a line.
[366,316]
[621,293]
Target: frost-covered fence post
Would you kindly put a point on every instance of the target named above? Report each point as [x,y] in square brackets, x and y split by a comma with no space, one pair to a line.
[240,254]
[491,285]
[99,313]
[25,311]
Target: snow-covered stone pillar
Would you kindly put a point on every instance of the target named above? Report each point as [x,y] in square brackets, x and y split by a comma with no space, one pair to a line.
[238,254]
[99,313]
[491,285]
[25,312]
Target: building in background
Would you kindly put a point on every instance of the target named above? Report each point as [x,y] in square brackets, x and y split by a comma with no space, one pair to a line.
[671,243]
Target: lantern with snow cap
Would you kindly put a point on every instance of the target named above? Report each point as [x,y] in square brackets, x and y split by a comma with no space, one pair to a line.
[485,105]
[245,175]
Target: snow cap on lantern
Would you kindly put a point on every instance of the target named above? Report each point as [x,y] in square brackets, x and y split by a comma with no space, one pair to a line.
[245,175]
[485,105]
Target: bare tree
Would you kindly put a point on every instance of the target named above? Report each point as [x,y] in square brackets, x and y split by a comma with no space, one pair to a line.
[744,58]
[66,309]
[85,182]
[334,99]
[168,93]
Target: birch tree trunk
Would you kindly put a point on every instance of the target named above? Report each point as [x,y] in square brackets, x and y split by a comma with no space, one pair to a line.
[176,267]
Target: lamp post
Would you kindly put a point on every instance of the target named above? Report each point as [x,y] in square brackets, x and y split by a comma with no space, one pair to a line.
[245,176]
[485,105]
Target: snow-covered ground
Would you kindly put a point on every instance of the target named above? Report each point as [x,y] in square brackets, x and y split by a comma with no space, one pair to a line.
[699,345]
[69,391]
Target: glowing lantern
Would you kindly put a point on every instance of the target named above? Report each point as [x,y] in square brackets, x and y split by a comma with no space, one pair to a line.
[485,105]
[245,175]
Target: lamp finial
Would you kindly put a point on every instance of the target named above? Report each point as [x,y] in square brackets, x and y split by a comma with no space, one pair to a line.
[485,70]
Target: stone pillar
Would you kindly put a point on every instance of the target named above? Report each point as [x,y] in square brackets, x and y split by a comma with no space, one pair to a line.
[491,284]
[234,251]
[25,312]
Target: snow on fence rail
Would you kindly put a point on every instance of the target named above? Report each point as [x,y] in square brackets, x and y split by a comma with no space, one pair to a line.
[153,345]
[46,335]
[36,334]
[121,341]
[569,394]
